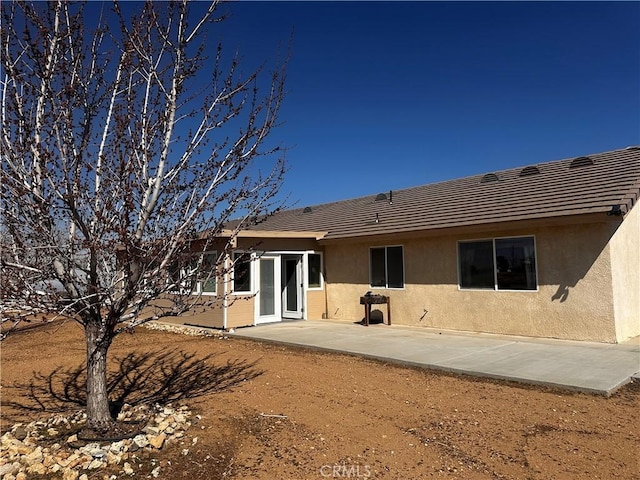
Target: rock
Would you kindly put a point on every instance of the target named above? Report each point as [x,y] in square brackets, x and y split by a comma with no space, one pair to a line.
[89,447]
[9,469]
[21,449]
[140,440]
[95,464]
[70,474]
[20,433]
[65,462]
[98,453]
[168,411]
[83,477]
[6,439]
[33,457]
[113,458]
[157,441]
[117,447]
[37,468]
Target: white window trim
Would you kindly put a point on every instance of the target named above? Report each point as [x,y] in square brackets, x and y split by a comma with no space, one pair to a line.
[387,287]
[198,289]
[495,270]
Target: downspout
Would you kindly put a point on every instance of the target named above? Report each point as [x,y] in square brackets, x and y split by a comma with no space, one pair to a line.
[225,291]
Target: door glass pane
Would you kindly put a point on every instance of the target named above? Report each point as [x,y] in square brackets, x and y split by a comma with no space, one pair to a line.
[291,281]
[267,287]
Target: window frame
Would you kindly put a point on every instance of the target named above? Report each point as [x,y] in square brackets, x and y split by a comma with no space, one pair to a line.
[321,273]
[495,287]
[199,282]
[386,267]
[249,262]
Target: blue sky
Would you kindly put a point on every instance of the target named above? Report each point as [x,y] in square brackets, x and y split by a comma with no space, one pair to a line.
[388,95]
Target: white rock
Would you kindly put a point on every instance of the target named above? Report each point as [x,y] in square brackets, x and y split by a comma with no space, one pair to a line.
[95,463]
[127,468]
[117,447]
[33,457]
[9,469]
[141,440]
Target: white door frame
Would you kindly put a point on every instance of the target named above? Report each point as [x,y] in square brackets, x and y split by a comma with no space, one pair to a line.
[275,312]
[297,283]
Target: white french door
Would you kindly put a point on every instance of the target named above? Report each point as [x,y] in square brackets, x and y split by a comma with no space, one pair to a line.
[292,291]
[268,299]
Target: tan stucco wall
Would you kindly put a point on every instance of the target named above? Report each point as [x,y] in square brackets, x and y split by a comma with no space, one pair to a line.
[574,299]
[241,311]
[625,274]
[206,313]
[277,244]
[315,304]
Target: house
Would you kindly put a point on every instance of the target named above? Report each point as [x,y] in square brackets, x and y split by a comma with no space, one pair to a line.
[546,250]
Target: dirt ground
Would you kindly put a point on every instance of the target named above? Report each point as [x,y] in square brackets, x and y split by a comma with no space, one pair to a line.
[274,412]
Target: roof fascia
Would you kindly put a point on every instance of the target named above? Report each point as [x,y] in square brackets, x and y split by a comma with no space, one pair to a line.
[273,234]
[591,218]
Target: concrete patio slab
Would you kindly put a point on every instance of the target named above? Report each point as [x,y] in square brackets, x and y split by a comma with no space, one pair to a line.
[582,366]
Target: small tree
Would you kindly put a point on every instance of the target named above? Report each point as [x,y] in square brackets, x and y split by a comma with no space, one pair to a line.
[125,148]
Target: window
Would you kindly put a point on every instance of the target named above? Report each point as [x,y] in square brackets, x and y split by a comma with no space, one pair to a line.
[181,275]
[241,272]
[386,267]
[207,274]
[184,279]
[498,264]
[314,274]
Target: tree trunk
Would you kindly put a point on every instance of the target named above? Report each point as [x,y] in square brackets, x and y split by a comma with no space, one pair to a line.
[98,414]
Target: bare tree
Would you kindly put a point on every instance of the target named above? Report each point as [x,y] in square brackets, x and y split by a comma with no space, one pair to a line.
[126,146]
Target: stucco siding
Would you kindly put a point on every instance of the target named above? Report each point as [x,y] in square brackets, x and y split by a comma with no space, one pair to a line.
[203,316]
[207,312]
[241,312]
[574,299]
[276,244]
[315,304]
[625,274]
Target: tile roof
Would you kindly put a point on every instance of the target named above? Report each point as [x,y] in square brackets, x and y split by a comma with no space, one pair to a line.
[572,186]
